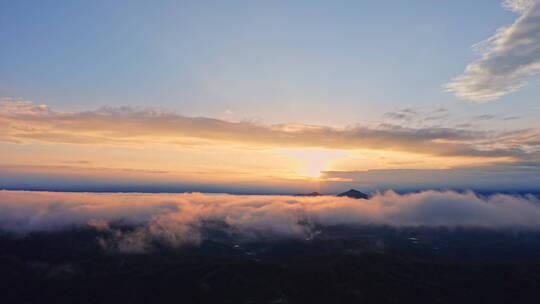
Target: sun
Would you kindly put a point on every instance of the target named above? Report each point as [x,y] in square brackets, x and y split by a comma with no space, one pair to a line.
[313,161]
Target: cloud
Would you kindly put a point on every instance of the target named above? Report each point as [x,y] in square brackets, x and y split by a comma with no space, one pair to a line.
[25,122]
[407,114]
[509,58]
[507,176]
[519,6]
[484,117]
[179,219]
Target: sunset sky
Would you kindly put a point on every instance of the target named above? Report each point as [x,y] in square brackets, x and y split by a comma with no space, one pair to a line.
[269,96]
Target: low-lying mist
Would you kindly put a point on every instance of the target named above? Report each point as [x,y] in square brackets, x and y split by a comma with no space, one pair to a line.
[179,219]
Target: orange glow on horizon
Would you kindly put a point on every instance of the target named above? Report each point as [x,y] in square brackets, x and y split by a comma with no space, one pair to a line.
[314,161]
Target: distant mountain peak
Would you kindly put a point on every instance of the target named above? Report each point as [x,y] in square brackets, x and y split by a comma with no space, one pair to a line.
[309,194]
[354,194]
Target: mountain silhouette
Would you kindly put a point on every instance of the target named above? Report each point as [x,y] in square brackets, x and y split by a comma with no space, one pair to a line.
[354,194]
[309,194]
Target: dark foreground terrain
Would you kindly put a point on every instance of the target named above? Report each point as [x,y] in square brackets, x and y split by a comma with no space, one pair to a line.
[340,265]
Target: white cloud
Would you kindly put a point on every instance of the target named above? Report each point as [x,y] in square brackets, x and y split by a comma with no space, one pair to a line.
[176,219]
[518,6]
[509,58]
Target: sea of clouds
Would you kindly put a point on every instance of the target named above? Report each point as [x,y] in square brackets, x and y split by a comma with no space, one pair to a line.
[177,219]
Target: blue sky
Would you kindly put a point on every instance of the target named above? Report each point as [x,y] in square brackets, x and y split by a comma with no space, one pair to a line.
[262,92]
[335,62]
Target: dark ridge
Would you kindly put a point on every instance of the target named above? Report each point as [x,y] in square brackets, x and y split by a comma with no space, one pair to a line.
[309,194]
[354,194]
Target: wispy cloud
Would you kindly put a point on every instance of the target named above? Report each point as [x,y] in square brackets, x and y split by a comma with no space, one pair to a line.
[507,176]
[178,219]
[23,122]
[509,58]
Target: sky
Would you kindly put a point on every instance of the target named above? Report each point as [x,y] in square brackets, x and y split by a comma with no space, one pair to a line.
[269,96]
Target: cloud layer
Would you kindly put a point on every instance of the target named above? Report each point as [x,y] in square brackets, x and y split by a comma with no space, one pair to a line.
[23,122]
[177,219]
[513,176]
[509,58]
